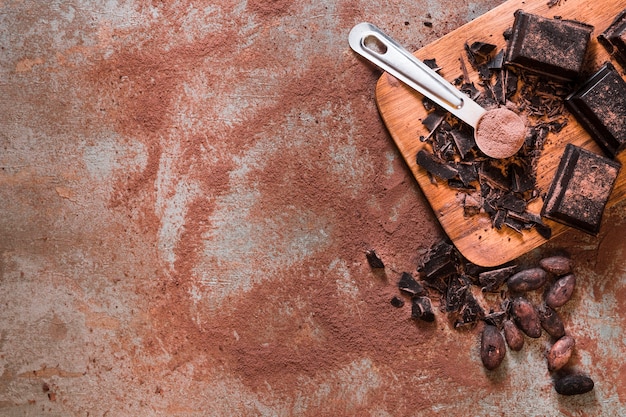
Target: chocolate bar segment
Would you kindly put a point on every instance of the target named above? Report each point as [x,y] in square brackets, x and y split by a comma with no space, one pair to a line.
[580,189]
[614,38]
[600,107]
[552,47]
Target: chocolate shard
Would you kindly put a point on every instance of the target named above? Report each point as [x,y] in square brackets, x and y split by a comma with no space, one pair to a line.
[397,302]
[440,263]
[492,280]
[435,165]
[599,105]
[422,309]
[580,189]
[409,285]
[495,318]
[553,47]
[373,259]
[464,140]
[455,294]
[574,384]
[433,119]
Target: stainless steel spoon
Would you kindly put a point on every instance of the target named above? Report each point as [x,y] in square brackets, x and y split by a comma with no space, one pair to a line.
[370,42]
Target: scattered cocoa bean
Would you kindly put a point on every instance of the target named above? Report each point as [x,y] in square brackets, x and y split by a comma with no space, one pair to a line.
[526,317]
[527,280]
[561,291]
[573,384]
[422,309]
[492,347]
[551,322]
[513,335]
[561,351]
[557,265]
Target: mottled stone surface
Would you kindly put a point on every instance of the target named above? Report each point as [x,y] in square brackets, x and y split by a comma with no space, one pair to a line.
[188,192]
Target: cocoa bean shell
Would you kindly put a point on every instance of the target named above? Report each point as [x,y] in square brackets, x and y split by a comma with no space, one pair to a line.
[573,384]
[526,317]
[557,265]
[527,280]
[560,353]
[561,291]
[513,335]
[551,322]
[492,347]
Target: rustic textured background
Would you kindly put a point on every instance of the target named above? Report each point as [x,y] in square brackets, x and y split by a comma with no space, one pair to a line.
[188,189]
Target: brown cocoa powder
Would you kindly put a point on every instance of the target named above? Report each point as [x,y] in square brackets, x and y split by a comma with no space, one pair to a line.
[500,133]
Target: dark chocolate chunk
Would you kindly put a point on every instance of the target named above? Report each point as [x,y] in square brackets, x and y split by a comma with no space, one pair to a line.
[493,280]
[471,311]
[480,53]
[464,140]
[455,294]
[435,165]
[600,107]
[614,38]
[580,189]
[408,284]
[553,47]
[422,309]
[441,262]
[573,384]
[397,302]
[551,322]
[373,259]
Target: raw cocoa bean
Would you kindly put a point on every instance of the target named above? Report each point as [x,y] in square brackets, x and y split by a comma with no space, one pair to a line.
[573,384]
[561,291]
[561,351]
[557,265]
[422,309]
[513,335]
[492,348]
[526,317]
[551,322]
[527,280]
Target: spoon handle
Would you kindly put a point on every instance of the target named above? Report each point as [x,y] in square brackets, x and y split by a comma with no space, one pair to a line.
[375,46]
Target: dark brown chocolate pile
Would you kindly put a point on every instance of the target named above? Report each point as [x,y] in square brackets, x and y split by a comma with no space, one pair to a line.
[502,188]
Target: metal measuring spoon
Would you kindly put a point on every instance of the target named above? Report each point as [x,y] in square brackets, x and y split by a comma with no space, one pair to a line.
[499,133]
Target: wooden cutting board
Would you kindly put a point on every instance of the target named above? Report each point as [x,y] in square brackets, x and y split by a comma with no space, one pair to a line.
[402,111]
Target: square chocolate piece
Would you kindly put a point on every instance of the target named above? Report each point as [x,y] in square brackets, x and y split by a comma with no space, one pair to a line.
[552,47]
[614,38]
[600,107]
[580,189]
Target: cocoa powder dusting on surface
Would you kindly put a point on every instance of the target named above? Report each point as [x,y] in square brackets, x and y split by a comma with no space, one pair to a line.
[300,305]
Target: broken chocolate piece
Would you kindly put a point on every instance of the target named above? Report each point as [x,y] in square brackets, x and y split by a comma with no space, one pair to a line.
[580,189]
[614,38]
[422,309]
[600,107]
[553,47]
[408,284]
[373,259]
[440,264]
[574,384]
[455,294]
[480,53]
[492,280]
[397,302]
[435,166]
